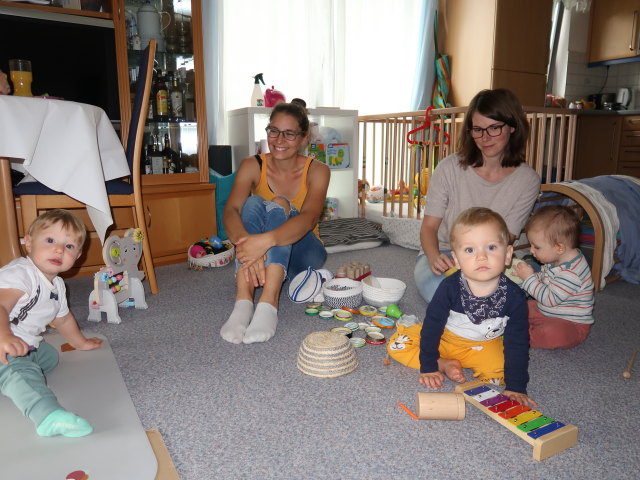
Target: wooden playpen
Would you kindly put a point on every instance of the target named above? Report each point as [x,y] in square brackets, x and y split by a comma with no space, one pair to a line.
[400,150]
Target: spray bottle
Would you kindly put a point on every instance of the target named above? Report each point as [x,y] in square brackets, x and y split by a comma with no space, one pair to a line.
[257,98]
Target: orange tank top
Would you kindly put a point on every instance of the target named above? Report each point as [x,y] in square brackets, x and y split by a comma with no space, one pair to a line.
[263,189]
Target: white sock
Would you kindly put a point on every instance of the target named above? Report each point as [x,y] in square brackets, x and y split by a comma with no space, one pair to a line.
[263,324]
[234,328]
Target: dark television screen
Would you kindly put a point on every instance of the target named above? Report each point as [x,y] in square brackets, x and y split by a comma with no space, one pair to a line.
[68,60]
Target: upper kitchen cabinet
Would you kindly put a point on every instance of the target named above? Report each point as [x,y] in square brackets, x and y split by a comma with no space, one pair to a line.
[497,44]
[615,30]
[176,129]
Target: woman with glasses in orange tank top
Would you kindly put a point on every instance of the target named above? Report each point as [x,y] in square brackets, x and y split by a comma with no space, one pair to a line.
[271,217]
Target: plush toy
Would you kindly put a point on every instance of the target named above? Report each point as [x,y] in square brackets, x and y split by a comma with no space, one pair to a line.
[375,194]
[120,282]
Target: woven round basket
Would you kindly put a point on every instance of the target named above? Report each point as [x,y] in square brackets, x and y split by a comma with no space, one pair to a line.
[326,355]
[215,260]
[342,292]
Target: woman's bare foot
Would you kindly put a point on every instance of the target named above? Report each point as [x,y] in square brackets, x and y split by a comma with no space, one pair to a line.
[452,369]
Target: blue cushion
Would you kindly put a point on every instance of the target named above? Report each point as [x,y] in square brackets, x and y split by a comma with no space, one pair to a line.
[119,187]
[33,188]
[114,187]
[223,189]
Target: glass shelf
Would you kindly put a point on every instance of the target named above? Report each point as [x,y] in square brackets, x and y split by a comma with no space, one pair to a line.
[172,110]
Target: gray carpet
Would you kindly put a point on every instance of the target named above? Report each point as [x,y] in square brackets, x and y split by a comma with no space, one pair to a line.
[246,412]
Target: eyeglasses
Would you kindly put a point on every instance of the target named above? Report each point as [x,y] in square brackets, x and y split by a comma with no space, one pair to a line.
[273,132]
[492,131]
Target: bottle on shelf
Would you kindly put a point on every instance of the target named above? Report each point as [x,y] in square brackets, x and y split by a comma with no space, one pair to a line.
[147,168]
[170,156]
[189,105]
[181,163]
[151,116]
[176,100]
[162,100]
[168,80]
[155,156]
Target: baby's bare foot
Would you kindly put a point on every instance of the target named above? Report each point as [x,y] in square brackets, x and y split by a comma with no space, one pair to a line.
[452,369]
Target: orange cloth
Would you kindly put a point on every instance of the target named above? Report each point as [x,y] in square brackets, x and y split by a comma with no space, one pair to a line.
[264,190]
[485,358]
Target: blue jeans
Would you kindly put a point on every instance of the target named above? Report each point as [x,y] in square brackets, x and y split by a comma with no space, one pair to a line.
[259,216]
[23,381]
[427,281]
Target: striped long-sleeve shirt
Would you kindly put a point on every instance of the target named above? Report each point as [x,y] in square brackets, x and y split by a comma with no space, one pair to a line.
[564,291]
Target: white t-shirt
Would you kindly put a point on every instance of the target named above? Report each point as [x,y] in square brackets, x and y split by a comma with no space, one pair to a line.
[42,302]
[453,189]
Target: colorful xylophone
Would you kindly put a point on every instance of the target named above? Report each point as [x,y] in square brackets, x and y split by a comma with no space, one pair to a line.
[547,435]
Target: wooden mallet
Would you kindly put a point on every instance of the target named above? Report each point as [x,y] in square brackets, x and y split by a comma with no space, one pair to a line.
[632,360]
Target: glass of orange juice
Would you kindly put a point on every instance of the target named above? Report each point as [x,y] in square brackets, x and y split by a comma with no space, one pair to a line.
[21,77]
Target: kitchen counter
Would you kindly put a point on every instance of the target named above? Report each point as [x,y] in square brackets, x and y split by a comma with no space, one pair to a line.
[605,112]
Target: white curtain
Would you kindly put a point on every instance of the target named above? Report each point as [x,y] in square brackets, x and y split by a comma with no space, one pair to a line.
[374,56]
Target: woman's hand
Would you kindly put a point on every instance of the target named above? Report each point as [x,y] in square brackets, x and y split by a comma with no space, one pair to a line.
[441,263]
[521,398]
[523,270]
[252,247]
[254,272]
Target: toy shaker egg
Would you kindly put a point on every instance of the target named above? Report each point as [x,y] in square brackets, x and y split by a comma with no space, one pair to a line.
[215,241]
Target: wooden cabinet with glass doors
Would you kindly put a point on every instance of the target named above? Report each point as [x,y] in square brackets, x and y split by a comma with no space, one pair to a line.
[179,201]
[179,206]
[177,104]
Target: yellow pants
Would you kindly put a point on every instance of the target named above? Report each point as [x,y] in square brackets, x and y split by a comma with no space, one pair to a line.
[485,358]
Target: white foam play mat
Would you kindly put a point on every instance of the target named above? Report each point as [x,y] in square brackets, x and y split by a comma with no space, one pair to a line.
[90,385]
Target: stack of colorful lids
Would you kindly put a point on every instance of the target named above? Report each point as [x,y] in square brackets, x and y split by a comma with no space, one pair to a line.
[326,354]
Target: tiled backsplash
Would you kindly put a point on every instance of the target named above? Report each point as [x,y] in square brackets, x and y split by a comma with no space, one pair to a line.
[583,81]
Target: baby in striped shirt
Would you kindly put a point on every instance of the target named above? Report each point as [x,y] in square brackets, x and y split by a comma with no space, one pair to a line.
[560,316]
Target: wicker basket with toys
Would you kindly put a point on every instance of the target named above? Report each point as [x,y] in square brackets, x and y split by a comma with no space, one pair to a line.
[210,253]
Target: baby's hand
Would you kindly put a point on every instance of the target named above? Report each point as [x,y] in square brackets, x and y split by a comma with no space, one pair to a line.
[12,345]
[433,380]
[90,344]
[521,398]
[523,270]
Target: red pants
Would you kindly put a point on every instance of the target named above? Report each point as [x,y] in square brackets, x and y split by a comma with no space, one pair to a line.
[551,332]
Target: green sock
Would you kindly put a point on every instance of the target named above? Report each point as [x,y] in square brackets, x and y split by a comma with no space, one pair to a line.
[61,422]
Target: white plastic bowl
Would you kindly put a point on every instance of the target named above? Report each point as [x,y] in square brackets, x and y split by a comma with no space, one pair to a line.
[390,291]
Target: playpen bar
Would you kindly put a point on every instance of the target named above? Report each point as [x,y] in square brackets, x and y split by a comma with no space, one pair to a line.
[373,155]
[550,145]
[395,165]
[540,147]
[361,188]
[385,177]
[571,139]
[364,150]
[530,141]
[562,149]
[411,166]
[402,165]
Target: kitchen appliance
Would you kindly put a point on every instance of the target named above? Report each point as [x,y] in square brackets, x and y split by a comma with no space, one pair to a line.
[601,98]
[623,97]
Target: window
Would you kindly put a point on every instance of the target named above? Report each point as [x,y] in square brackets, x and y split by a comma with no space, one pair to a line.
[353,54]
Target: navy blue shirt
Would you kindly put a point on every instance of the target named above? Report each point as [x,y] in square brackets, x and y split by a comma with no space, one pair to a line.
[447,301]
